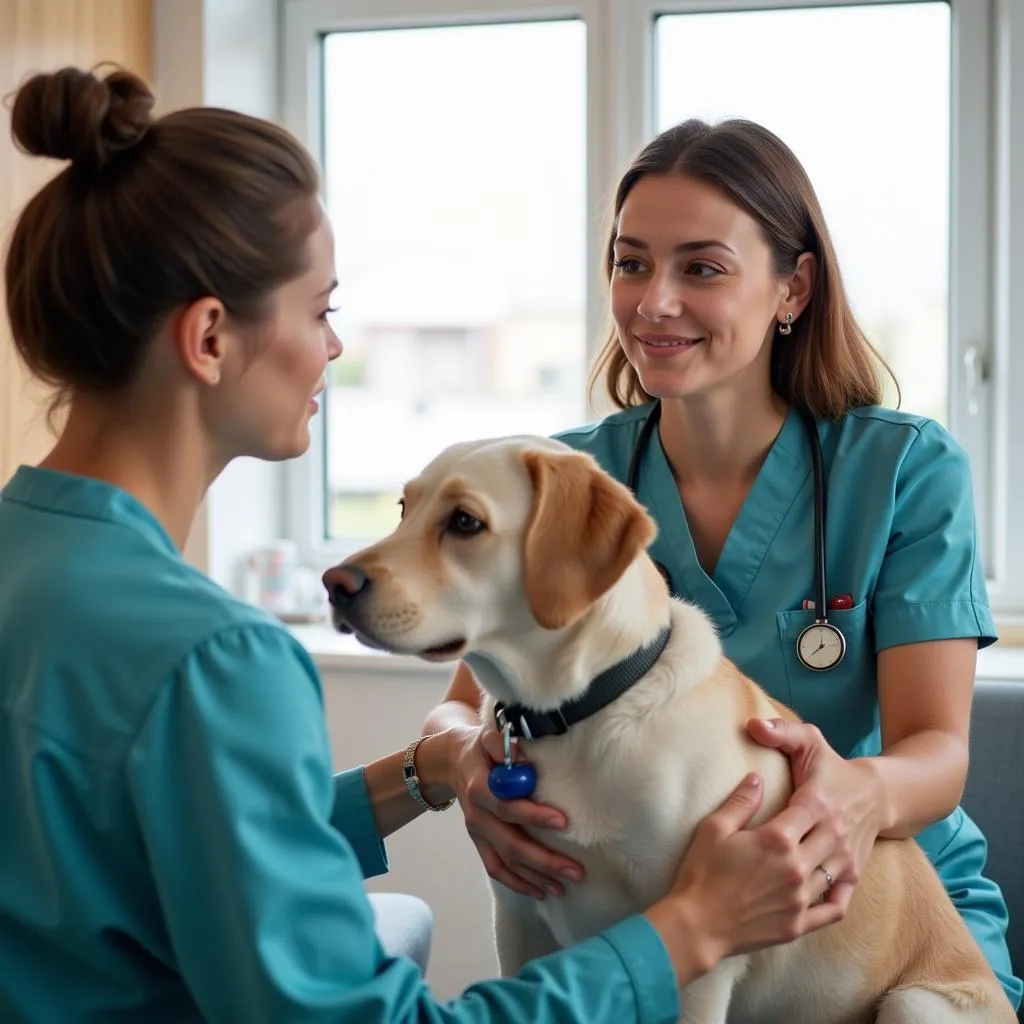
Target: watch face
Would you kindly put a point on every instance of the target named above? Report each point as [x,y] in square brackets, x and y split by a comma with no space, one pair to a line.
[821,646]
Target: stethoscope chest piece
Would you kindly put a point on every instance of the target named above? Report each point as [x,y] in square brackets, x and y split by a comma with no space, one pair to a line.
[820,646]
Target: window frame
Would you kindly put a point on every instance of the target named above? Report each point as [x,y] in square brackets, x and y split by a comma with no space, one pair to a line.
[986,219]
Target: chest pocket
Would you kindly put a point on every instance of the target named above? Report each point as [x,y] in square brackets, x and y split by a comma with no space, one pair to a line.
[842,701]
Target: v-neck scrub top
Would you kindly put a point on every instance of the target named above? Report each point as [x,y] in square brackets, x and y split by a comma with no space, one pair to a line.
[900,541]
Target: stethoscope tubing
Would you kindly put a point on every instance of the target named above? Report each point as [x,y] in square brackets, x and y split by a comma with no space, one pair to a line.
[632,481]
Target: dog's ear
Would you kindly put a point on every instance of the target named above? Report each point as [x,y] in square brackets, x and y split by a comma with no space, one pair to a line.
[584,530]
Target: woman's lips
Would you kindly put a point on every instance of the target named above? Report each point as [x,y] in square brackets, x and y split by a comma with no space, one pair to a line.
[665,345]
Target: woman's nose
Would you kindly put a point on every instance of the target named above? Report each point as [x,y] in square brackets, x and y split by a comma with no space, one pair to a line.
[334,347]
[661,300]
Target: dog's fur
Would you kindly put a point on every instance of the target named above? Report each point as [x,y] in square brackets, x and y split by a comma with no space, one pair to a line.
[556,587]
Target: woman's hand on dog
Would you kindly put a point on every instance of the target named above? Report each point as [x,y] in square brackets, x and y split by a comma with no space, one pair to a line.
[740,889]
[509,854]
[841,796]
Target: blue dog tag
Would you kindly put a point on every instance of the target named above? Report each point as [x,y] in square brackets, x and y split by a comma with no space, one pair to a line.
[510,781]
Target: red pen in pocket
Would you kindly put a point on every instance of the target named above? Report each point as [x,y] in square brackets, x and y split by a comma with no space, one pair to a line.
[841,602]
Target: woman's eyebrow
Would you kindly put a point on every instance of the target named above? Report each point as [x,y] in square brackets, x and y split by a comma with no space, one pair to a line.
[703,243]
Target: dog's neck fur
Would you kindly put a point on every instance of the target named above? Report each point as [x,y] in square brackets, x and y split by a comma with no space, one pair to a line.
[546,669]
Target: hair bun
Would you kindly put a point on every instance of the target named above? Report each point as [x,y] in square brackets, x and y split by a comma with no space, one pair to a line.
[73,115]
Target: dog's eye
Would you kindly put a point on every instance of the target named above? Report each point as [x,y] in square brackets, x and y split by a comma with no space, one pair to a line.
[464,524]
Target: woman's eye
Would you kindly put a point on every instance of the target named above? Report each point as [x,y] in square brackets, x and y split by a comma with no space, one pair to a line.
[702,270]
[401,508]
[464,524]
[628,265]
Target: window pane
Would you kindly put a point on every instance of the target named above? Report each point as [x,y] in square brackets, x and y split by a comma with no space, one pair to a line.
[861,95]
[455,173]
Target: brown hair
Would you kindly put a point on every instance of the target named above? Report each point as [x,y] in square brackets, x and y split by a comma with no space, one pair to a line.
[826,365]
[148,217]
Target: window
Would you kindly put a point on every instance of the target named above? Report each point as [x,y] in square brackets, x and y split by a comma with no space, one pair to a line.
[462,265]
[469,148]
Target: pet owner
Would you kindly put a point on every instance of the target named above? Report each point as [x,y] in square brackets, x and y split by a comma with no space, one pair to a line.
[729,311]
[174,844]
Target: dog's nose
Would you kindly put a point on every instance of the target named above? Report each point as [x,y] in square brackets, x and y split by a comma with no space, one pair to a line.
[344,583]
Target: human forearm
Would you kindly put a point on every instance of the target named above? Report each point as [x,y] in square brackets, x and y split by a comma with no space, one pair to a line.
[920,781]
[924,694]
[393,806]
[687,945]
[448,729]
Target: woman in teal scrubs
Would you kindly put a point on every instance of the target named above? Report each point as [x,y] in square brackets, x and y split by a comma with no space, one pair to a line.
[728,307]
[174,844]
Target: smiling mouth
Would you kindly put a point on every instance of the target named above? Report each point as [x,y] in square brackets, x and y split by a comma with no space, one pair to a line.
[671,342]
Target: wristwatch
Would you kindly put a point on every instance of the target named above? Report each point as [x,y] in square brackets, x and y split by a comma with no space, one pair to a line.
[412,781]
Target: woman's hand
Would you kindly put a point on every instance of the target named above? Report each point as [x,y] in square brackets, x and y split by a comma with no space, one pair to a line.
[510,855]
[843,798]
[739,889]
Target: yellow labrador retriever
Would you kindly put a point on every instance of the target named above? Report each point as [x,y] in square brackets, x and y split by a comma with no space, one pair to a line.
[526,559]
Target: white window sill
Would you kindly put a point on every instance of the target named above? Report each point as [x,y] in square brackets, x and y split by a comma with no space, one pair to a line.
[334,651]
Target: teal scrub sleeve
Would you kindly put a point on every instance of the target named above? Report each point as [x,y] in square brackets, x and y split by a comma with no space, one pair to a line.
[352,816]
[931,584]
[265,909]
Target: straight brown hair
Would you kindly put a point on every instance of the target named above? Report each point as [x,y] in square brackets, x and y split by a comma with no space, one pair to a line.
[826,365]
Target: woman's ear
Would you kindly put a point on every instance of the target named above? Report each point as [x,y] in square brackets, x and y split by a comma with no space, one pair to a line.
[799,287]
[199,336]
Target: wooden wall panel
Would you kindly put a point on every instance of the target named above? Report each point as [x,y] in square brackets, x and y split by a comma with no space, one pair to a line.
[41,35]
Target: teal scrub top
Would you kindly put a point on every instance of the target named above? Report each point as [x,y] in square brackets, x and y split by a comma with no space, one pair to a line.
[174,845]
[900,541]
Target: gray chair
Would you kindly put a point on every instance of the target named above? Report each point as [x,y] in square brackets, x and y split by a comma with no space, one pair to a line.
[405,925]
[993,796]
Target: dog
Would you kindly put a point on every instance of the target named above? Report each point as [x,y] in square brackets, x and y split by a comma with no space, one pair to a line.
[524,558]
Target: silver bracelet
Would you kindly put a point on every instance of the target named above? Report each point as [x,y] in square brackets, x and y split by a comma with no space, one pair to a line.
[412,781]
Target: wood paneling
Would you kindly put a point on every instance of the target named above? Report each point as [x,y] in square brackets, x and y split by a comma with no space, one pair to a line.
[42,35]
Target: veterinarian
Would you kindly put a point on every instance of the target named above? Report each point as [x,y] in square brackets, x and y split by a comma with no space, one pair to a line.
[175,846]
[862,610]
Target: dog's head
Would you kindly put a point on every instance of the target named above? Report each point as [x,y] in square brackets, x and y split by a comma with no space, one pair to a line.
[499,540]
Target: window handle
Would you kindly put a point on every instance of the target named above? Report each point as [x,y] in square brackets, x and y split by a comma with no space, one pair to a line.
[976,372]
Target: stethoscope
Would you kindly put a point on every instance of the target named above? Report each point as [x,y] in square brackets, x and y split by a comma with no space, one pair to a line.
[820,645]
